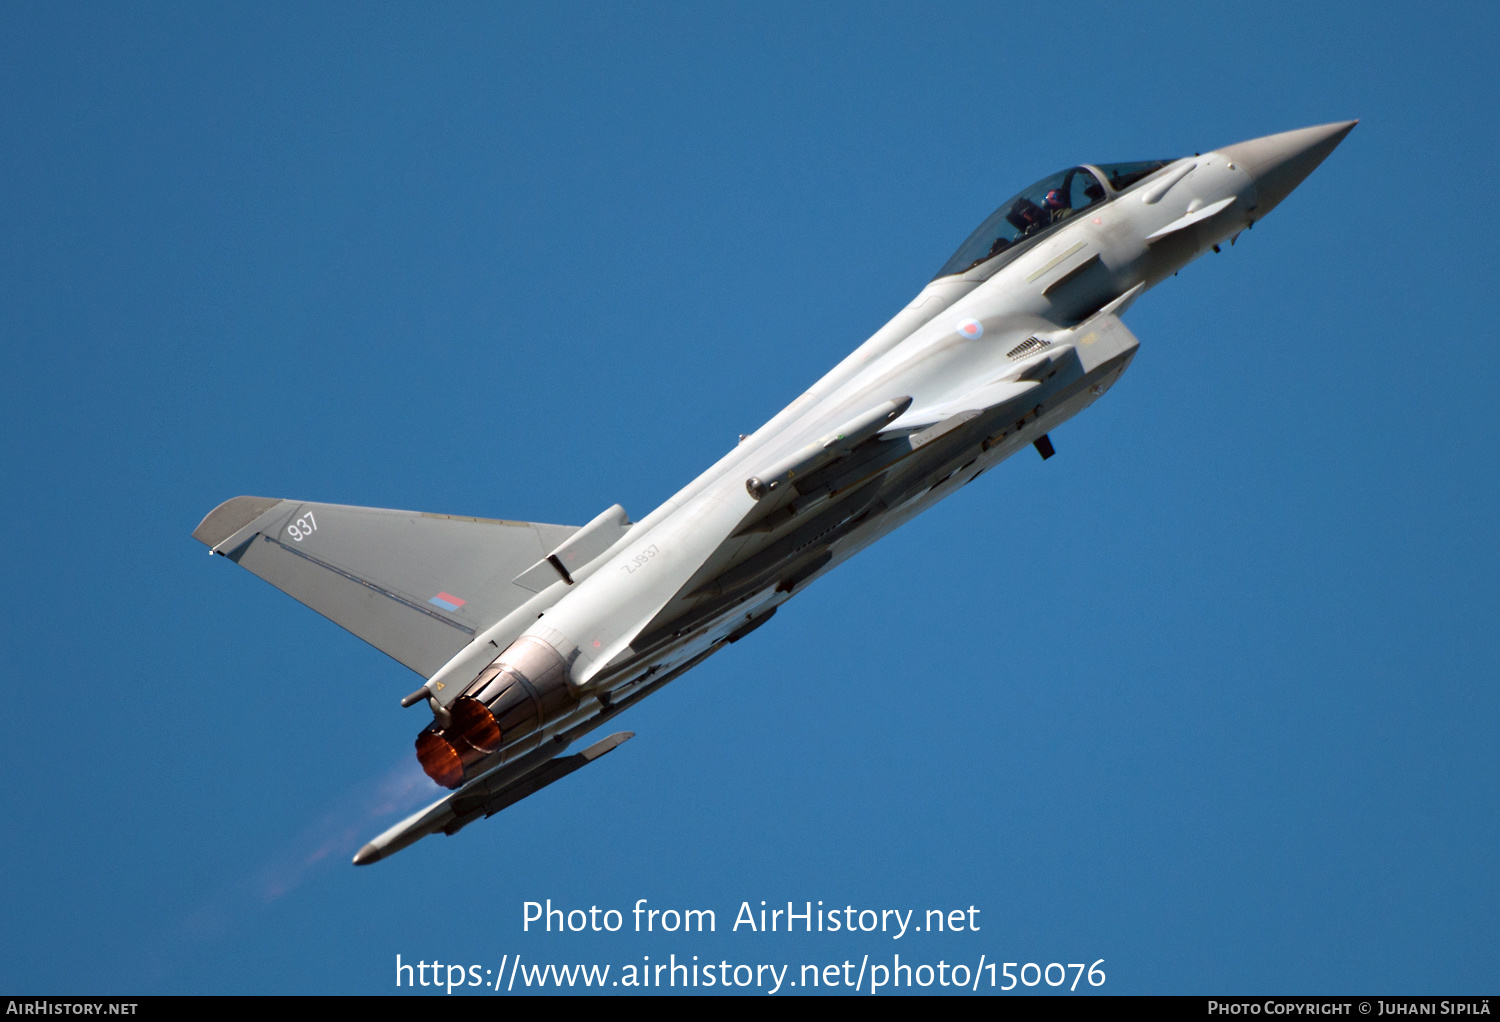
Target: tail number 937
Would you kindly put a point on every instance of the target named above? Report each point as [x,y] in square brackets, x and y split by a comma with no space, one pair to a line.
[302,527]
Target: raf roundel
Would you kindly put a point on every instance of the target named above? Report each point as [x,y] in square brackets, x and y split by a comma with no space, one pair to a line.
[970,328]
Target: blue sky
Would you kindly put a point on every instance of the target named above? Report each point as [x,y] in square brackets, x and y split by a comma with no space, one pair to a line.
[1211,695]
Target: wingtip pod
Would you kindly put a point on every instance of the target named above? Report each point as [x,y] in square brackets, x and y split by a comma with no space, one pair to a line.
[488,795]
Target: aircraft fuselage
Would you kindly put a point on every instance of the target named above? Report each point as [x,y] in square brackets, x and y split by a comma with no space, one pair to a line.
[988,358]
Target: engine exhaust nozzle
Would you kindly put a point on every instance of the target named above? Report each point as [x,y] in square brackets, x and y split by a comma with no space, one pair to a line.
[517,695]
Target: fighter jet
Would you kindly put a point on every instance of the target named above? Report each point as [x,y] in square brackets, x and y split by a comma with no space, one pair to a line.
[531,636]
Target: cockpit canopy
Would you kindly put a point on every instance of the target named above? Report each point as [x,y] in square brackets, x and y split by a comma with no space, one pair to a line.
[1048,202]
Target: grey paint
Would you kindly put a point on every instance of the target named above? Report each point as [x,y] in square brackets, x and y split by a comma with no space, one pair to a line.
[981,365]
[374,571]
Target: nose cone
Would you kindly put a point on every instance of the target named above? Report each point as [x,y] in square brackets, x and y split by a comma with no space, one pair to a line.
[1278,163]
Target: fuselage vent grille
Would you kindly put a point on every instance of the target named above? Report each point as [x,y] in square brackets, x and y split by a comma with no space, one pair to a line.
[1027,347]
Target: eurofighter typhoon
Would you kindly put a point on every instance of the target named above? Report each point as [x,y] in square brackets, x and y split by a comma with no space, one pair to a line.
[531,636]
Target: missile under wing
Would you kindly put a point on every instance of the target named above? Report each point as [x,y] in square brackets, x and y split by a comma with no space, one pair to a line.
[530,636]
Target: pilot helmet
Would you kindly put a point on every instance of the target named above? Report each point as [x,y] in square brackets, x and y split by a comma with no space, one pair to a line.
[1055,199]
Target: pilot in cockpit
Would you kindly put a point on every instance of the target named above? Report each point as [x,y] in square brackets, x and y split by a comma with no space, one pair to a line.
[1057,206]
[1027,217]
